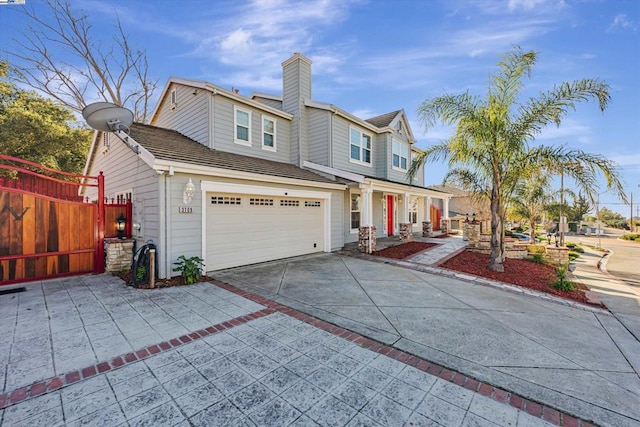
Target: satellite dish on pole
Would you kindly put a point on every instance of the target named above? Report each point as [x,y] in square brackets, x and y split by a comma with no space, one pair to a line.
[107,117]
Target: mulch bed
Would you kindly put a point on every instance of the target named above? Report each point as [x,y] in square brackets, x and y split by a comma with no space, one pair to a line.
[404,250]
[159,284]
[516,272]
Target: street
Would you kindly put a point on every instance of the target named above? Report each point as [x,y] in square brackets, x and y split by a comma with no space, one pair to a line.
[624,260]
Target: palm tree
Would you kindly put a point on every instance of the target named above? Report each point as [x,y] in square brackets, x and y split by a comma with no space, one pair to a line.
[531,197]
[490,146]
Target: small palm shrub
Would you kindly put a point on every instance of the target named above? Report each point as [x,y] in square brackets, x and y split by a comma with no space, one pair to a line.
[190,268]
[537,258]
[562,282]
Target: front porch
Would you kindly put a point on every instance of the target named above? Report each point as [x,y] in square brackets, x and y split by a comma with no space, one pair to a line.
[380,209]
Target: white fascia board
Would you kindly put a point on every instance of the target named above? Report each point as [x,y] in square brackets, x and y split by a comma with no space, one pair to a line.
[333,171]
[340,112]
[163,165]
[266,96]
[391,187]
[246,101]
[226,187]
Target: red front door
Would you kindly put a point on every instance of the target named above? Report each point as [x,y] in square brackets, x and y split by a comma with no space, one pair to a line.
[390,215]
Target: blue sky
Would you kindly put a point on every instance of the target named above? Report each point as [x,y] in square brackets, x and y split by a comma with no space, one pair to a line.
[372,57]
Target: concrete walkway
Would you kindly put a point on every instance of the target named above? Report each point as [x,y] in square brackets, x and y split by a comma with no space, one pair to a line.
[575,358]
[89,350]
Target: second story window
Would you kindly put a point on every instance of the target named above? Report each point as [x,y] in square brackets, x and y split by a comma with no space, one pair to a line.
[359,147]
[268,134]
[243,126]
[400,155]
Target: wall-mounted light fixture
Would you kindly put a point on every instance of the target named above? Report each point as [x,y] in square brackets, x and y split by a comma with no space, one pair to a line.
[121,223]
[188,192]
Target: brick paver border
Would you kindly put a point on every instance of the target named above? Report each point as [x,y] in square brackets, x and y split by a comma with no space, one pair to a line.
[533,408]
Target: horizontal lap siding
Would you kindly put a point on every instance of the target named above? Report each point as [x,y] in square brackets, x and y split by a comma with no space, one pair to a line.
[124,171]
[224,131]
[190,116]
[318,126]
[341,147]
[186,229]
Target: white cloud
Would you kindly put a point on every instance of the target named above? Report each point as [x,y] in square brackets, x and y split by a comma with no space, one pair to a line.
[364,113]
[570,131]
[622,22]
[532,4]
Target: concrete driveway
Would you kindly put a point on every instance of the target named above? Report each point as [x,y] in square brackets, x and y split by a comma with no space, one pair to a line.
[579,360]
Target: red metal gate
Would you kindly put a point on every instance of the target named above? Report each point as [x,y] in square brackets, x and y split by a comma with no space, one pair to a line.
[46,228]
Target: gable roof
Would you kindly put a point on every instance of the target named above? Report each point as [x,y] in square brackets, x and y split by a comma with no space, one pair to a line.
[383,119]
[171,145]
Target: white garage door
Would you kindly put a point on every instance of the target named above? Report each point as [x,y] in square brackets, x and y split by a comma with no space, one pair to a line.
[245,229]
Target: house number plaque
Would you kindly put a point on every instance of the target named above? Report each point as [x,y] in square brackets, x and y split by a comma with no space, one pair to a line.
[185,209]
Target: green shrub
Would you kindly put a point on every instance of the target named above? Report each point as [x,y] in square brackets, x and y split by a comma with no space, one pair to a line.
[633,237]
[537,258]
[536,249]
[190,268]
[563,283]
[570,245]
[573,255]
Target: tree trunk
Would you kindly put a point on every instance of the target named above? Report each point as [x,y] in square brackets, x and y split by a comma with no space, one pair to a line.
[497,233]
[532,230]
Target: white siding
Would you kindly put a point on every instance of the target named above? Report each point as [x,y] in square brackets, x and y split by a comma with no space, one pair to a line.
[190,115]
[123,171]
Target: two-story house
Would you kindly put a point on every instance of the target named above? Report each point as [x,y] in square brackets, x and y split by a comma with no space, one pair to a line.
[239,180]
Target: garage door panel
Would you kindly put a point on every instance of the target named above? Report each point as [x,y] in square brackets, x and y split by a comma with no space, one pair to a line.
[271,228]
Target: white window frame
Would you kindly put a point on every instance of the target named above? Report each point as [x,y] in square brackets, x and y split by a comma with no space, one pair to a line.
[360,147]
[401,146]
[237,109]
[351,211]
[275,123]
[413,208]
[174,98]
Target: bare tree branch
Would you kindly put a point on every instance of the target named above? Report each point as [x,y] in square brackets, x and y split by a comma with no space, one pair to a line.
[62,59]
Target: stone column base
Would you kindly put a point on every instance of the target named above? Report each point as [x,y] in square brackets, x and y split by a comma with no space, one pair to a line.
[364,233]
[406,232]
[427,229]
[444,226]
[118,256]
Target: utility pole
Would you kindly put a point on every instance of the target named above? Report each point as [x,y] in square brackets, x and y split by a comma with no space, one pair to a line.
[631,215]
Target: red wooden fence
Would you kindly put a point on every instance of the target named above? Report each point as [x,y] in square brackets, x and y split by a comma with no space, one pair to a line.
[46,228]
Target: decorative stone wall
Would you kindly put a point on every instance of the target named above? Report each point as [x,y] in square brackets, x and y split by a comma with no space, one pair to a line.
[557,255]
[118,254]
[471,232]
[445,226]
[427,229]
[406,232]
[363,239]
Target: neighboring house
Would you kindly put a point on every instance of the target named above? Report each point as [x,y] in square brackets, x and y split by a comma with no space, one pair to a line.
[461,204]
[274,175]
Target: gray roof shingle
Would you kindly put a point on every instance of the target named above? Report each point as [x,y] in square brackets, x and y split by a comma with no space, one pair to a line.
[383,120]
[167,144]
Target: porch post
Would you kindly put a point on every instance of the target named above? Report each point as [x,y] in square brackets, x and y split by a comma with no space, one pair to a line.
[367,232]
[427,227]
[445,204]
